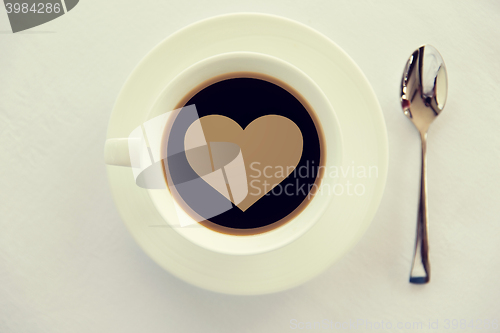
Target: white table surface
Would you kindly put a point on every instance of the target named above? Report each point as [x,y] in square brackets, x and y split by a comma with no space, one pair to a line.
[67,262]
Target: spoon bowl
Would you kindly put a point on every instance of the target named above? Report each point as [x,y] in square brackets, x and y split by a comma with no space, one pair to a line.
[424,87]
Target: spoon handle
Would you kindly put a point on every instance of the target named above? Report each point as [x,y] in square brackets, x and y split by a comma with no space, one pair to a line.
[421,270]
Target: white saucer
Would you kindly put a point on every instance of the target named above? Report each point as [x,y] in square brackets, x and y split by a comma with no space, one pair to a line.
[365,145]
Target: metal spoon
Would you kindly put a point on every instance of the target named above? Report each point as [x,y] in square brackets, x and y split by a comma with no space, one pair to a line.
[424,88]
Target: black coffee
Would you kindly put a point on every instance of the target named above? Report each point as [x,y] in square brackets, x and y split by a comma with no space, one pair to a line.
[279,115]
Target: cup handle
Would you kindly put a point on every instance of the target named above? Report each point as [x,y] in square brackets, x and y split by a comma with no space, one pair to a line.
[116,152]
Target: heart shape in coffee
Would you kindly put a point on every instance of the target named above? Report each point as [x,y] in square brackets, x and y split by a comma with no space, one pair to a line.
[243,165]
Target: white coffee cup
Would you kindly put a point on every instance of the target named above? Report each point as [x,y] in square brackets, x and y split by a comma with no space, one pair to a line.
[117,151]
